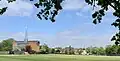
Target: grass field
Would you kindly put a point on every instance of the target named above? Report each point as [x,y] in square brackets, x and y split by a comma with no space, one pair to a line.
[58,58]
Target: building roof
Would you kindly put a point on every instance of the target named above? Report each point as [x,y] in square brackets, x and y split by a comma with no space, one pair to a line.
[23,42]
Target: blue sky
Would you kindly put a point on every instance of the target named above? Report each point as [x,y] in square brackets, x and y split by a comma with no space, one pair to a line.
[73,25]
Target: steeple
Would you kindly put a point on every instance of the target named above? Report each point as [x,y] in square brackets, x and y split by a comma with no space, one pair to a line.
[26,35]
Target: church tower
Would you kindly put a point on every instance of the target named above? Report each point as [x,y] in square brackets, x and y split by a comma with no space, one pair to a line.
[26,35]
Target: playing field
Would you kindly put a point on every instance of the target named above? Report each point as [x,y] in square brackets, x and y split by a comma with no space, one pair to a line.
[58,58]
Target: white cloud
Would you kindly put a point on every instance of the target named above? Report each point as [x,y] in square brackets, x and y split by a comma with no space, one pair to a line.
[18,8]
[73,4]
[78,14]
[18,36]
[3,3]
[77,37]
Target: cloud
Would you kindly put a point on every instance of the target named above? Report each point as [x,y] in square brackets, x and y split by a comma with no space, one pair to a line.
[79,39]
[73,4]
[76,37]
[78,14]
[17,8]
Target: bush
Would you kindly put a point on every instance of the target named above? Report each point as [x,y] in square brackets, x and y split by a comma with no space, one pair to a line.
[11,52]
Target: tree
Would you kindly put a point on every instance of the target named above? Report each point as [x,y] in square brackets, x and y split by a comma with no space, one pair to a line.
[112,50]
[101,51]
[89,50]
[69,50]
[7,44]
[52,51]
[1,46]
[104,7]
[44,49]
[95,50]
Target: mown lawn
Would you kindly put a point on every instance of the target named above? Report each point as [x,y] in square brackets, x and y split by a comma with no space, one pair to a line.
[58,58]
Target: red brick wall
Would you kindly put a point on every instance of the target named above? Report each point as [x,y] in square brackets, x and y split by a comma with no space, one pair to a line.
[34,45]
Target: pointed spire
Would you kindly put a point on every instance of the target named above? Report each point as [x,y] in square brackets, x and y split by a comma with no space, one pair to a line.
[26,35]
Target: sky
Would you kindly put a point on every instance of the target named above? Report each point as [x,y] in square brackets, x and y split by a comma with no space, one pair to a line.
[73,25]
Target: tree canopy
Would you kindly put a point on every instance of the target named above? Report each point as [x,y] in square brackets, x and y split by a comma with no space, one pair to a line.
[49,10]
[6,45]
[104,7]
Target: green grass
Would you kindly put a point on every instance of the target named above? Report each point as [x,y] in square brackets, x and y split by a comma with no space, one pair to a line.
[58,58]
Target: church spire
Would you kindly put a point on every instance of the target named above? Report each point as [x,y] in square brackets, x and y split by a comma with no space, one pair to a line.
[26,35]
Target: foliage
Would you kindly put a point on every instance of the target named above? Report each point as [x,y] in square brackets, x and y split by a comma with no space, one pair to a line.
[69,50]
[112,50]
[95,50]
[7,44]
[0,46]
[48,8]
[104,7]
[52,51]
[58,50]
[44,49]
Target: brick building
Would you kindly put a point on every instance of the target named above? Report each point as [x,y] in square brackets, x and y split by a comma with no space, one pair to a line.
[19,45]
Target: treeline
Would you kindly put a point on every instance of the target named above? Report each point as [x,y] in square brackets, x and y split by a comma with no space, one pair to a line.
[110,50]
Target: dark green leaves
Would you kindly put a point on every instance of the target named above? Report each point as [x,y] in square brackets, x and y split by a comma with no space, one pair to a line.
[89,1]
[3,10]
[115,24]
[113,38]
[37,5]
[48,9]
[95,14]
[98,16]
[9,1]
[116,38]
[104,4]
[117,13]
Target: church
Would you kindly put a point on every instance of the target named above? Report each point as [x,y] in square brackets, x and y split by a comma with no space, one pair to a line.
[18,46]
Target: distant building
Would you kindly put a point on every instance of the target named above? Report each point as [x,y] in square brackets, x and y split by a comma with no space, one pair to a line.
[19,45]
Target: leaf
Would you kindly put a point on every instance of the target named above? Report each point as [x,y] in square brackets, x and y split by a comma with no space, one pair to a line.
[116,42]
[9,1]
[113,38]
[101,12]
[94,21]
[118,20]
[39,16]
[95,15]
[31,0]
[115,24]
[53,20]
[37,5]
[46,18]
[3,10]
[42,10]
